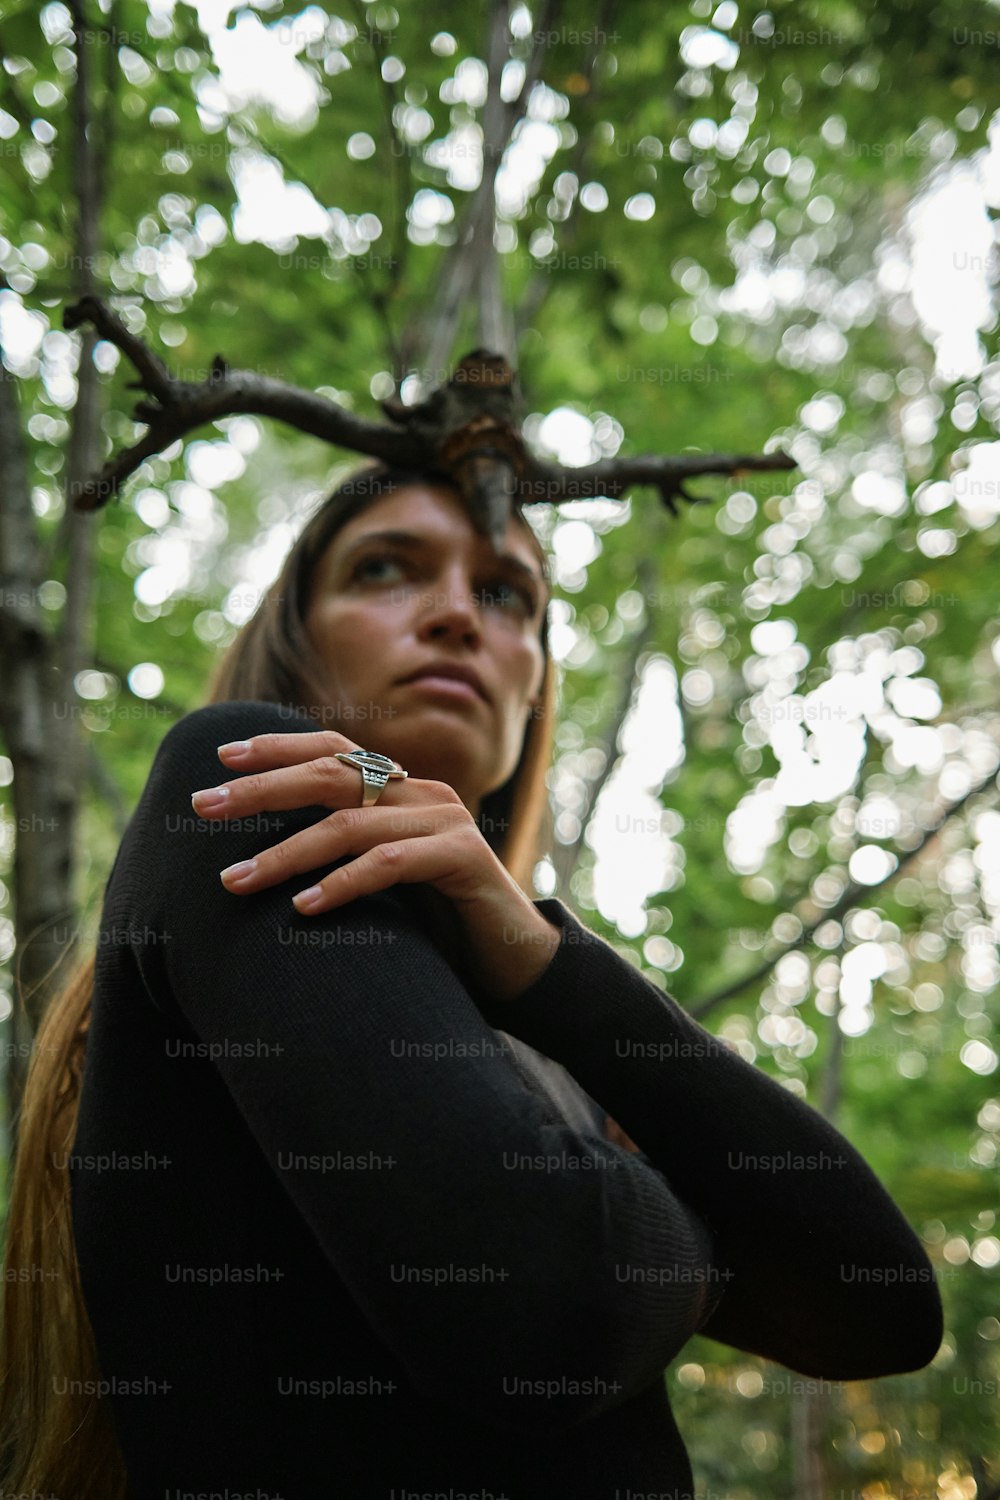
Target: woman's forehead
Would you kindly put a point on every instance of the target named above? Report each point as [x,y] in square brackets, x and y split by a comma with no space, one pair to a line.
[437,512]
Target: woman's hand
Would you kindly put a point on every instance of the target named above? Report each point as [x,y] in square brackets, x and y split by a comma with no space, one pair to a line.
[418,831]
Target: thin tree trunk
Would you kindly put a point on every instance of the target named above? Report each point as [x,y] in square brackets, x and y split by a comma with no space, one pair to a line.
[464,275]
[809,1481]
[811,1400]
[39,708]
[566,856]
[26,718]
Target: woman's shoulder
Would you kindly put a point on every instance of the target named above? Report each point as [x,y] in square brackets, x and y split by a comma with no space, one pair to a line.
[187,758]
[237,718]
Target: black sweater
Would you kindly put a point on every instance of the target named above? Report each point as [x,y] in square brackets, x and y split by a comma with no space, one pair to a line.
[340,1237]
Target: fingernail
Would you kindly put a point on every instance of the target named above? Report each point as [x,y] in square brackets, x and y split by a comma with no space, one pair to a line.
[308,898]
[209,800]
[234,749]
[233,874]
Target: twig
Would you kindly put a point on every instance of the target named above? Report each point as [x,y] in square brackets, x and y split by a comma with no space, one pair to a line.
[610,477]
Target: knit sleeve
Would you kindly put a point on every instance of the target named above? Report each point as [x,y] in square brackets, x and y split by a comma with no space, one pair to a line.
[820,1269]
[529,1273]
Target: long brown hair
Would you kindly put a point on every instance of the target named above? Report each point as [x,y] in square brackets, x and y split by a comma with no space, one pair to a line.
[65,1445]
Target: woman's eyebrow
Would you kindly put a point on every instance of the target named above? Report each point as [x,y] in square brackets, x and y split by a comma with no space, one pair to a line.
[412,538]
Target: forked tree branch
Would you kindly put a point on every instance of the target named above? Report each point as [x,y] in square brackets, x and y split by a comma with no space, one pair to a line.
[175,407]
[468,422]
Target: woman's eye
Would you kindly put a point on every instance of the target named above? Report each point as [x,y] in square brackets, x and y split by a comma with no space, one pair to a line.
[502,591]
[516,592]
[375,557]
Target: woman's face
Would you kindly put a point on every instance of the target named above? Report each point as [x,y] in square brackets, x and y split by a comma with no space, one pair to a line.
[382,608]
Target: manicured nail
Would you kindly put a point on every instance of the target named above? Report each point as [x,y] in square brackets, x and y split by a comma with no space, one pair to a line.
[209,800]
[234,874]
[306,900]
[234,749]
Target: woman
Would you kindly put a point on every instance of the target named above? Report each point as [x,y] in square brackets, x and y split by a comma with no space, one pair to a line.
[351,1215]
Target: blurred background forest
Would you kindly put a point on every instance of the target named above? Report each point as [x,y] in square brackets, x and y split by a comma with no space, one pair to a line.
[700,228]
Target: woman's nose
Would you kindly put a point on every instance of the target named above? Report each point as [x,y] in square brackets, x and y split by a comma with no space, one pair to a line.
[453,596]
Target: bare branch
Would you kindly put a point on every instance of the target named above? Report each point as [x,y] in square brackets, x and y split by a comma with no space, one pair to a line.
[179,407]
[611,477]
[463,428]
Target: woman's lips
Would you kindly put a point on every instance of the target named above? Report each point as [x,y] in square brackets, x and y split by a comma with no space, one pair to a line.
[449,687]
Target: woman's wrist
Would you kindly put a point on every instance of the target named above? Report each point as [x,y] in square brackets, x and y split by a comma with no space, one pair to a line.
[538,943]
[509,949]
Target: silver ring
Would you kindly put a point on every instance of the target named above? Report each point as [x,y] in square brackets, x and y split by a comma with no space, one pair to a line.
[375,770]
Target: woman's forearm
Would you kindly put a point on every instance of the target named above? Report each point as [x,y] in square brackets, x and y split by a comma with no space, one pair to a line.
[798,1217]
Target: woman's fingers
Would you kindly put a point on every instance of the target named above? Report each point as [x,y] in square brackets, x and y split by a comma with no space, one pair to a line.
[419,832]
[263,752]
[416,859]
[348,831]
[319,780]
[277,791]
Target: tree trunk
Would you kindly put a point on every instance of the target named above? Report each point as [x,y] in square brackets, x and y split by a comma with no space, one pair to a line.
[39,707]
[809,1481]
[810,1407]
